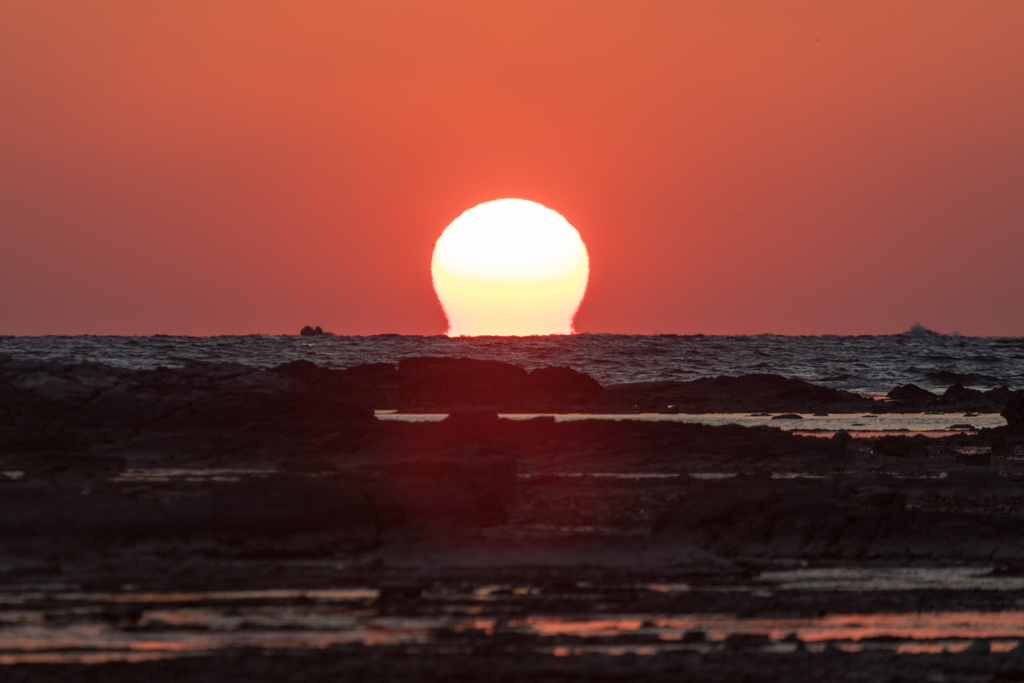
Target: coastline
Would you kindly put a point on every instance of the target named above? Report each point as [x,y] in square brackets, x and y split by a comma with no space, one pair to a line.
[126,486]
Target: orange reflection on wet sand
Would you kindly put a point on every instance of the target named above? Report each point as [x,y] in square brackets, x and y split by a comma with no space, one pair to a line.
[555,626]
[173,631]
[838,627]
[84,657]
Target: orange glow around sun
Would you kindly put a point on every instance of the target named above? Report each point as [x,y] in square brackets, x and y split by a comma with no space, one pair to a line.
[510,267]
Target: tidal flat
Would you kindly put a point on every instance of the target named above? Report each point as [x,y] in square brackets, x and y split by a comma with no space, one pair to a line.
[222,521]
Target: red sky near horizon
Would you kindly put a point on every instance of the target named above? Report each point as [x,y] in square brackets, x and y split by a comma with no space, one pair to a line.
[733,167]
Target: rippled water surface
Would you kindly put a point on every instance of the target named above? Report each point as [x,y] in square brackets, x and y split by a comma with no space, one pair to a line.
[867,363]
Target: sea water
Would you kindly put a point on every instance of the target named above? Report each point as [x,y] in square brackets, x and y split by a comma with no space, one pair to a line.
[63,624]
[861,363]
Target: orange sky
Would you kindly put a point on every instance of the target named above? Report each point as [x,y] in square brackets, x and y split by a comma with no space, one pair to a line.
[734,167]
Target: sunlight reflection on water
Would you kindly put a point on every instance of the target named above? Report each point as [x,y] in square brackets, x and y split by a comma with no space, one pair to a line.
[854,423]
[168,625]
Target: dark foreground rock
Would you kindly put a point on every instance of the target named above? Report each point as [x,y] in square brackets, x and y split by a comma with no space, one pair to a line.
[268,509]
[837,521]
[254,476]
[910,398]
[212,517]
[1013,411]
[902,446]
[442,384]
[735,394]
[53,394]
[283,515]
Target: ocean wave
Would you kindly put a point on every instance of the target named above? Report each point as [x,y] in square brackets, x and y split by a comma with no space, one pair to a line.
[862,363]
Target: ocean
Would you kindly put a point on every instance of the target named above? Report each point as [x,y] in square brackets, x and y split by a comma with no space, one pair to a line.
[856,363]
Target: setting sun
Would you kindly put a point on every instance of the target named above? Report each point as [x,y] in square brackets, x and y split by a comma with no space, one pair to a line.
[510,267]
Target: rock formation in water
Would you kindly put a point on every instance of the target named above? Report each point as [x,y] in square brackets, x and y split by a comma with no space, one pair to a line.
[72,429]
[910,398]
[223,477]
[1013,411]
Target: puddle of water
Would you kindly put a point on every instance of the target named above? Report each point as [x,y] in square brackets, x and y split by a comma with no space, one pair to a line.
[636,476]
[165,634]
[639,476]
[343,594]
[15,595]
[388,416]
[899,423]
[666,587]
[169,625]
[85,657]
[175,474]
[891,579]
[872,433]
[905,475]
[832,627]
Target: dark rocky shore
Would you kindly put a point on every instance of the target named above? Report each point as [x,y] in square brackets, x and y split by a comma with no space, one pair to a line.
[227,477]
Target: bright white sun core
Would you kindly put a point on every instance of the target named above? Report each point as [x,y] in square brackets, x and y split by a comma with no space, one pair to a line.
[510,267]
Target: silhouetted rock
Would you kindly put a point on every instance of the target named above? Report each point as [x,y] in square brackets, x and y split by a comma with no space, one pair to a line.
[956,398]
[912,392]
[284,505]
[312,463]
[444,384]
[560,382]
[308,331]
[994,398]
[958,394]
[788,416]
[729,518]
[948,377]
[450,382]
[285,412]
[468,490]
[830,521]
[279,506]
[200,410]
[902,446]
[843,437]
[889,500]
[974,459]
[328,496]
[272,514]
[731,394]
[299,369]
[113,476]
[841,441]
[1013,411]
[372,374]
